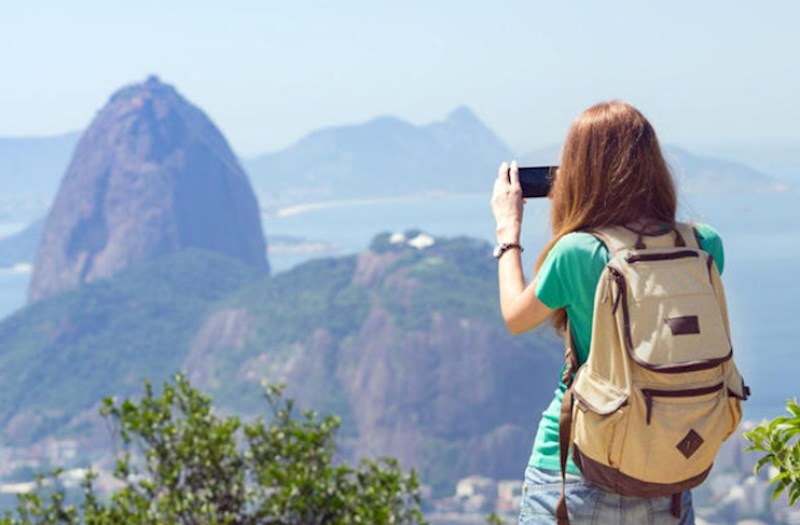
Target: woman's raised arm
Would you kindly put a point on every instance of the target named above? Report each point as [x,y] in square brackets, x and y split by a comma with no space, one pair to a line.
[520,307]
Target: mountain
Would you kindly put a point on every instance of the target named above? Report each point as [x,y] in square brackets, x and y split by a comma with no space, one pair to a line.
[706,175]
[152,175]
[404,341]
[390,157]
[778,158]
[383,157]
[33,166]
[693,173]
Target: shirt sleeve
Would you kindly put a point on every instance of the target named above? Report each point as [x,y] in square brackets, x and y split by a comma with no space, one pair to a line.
[711,242]
[570,270]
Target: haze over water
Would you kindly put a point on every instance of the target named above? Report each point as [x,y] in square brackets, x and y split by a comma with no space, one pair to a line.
[761,235]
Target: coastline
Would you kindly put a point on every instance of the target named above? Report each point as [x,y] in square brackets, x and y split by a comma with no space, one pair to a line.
[20,268]
[10,229]
[297,209]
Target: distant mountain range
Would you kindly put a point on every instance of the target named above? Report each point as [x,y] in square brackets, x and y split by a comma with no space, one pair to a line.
[382,157]
[700,174]
[385,156]
[693,173]
[379,158]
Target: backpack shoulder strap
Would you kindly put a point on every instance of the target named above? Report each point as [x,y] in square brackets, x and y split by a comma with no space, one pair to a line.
[565,421]
[564,430]
[690,234]
[617,238]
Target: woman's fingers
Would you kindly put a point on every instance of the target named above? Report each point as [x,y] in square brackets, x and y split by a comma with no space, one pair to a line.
[502,172]
[507,184]
[501,182]
[514,175]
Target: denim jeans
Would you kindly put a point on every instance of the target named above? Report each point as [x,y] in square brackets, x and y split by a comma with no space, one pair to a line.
[589,504]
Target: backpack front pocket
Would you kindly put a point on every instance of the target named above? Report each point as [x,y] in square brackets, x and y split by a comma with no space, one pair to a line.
[678,432]
[679,331]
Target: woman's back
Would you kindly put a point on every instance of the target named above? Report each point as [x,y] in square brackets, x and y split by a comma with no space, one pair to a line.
[612,173]
[568,279]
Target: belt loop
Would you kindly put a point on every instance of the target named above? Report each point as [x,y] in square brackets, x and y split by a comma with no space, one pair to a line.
[676,505]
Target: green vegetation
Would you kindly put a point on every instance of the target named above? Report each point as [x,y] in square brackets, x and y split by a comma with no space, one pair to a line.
[62,354]
[314,295]
[455,277]
[104,338]
[779,440]
[182,464]
[316,327]
[461,282]
[289,308]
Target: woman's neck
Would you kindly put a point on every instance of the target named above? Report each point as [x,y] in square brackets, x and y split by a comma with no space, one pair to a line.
[641,222]
[648,225]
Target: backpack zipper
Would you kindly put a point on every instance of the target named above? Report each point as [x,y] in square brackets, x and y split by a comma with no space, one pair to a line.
[683,254]
[622,296]
[650,393]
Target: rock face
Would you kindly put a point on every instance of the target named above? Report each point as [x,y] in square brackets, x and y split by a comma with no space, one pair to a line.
[405,344]
[152,175]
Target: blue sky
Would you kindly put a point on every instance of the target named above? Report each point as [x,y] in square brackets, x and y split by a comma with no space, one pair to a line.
[715,72]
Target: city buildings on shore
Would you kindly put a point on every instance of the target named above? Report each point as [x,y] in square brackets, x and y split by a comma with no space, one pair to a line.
[732,494]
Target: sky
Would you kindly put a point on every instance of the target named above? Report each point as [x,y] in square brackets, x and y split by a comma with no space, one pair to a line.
[717,73]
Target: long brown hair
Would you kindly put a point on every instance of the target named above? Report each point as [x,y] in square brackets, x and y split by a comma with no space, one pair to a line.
[612,173]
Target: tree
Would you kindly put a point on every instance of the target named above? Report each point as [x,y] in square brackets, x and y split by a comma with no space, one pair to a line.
[778,439]
[183,464]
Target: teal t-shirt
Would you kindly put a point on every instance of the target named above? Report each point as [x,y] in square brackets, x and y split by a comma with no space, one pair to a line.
[567,279]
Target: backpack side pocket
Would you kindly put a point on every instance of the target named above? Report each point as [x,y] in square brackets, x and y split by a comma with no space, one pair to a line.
[599,418]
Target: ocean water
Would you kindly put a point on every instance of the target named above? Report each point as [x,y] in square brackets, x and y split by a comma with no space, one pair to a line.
[761,234]
[350,229]
[13,289]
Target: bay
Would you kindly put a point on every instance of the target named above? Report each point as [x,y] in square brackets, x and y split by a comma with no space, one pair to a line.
[761,234]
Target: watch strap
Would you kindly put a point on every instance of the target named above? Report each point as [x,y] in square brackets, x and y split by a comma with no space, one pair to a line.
[504,247]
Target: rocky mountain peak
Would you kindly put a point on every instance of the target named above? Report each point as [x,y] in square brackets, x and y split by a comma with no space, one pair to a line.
[464,116]
[152,175]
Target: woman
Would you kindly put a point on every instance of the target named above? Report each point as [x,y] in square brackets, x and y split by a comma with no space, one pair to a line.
[612,172]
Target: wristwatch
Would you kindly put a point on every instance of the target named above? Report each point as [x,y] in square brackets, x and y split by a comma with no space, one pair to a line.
[500,249]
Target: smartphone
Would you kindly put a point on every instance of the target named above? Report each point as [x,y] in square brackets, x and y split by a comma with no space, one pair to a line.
[536,181]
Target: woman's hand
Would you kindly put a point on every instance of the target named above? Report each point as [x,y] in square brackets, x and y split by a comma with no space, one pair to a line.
[507,203]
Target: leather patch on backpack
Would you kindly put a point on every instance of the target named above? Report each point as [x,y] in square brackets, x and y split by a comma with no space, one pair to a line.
[690,444]
[688,324]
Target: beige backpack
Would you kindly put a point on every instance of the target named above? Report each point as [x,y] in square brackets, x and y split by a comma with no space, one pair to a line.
[659,393]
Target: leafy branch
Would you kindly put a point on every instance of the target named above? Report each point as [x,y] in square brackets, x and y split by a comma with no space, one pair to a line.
[778,440]
[183,464]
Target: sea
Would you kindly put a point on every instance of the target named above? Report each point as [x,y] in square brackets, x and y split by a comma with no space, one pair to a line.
[760,231]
